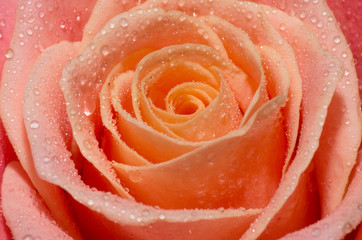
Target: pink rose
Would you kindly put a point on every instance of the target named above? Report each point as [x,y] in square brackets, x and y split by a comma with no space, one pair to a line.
[190,119]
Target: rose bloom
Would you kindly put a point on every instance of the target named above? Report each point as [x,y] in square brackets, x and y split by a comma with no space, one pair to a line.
[188,119]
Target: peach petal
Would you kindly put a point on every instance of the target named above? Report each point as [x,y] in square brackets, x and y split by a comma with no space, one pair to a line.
[107,49]
[239,47]
[205,177]
[111,215]
[316,100]
[226,118]
[251,19]
[202,93]
[26,45]
[40,129]
[112,143]
[346,217]
[25,212]
[102,12]
[341,136]
[166,148]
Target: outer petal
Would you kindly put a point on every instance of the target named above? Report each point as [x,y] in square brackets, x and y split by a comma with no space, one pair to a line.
[341,136]
[7,21]
[6,153]
[346,217]
[103,215]
[24,210]
[349,14]
[38,25]
[103,11]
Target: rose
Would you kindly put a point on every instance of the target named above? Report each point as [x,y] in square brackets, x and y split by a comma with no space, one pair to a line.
[50,137]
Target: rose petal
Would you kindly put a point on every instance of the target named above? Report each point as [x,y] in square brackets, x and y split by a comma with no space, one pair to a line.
[250,19]
[111,215]
[110,51]
[32,33]
[220,173]
[6,154]
[24,209]
[349,13]
[112,143]
[341,136]
[221,116]
[7,21]
[103,11]
[346,217]
[313,62]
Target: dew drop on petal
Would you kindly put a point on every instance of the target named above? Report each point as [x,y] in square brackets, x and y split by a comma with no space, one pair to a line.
[316,232]
[28,237]
[135,176]
[34,125]
[105,51]
[337,40]
[124,22]
[9,53]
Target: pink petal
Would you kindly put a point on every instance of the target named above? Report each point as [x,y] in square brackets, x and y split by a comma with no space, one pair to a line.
[349,14]
[6,154]
[346,217]
[38,25]
[99,213]
[24,210]
[341,136]
[103,11]
[7,21]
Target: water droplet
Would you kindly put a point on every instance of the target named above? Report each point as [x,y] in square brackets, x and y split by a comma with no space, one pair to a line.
[34,125]
[9,53]
[112,25]
[135,176]
[347,121]
[2,23]
[316,232]
[105,51]
[145,213]
[28,237]
[123,22]
[302,15]
[36,91]
[337,40]
[87,144]
[249,15]
[282,26]
[90,202]
[313,19]
[29,31]
[347,228]
[46,159]
[162,217]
